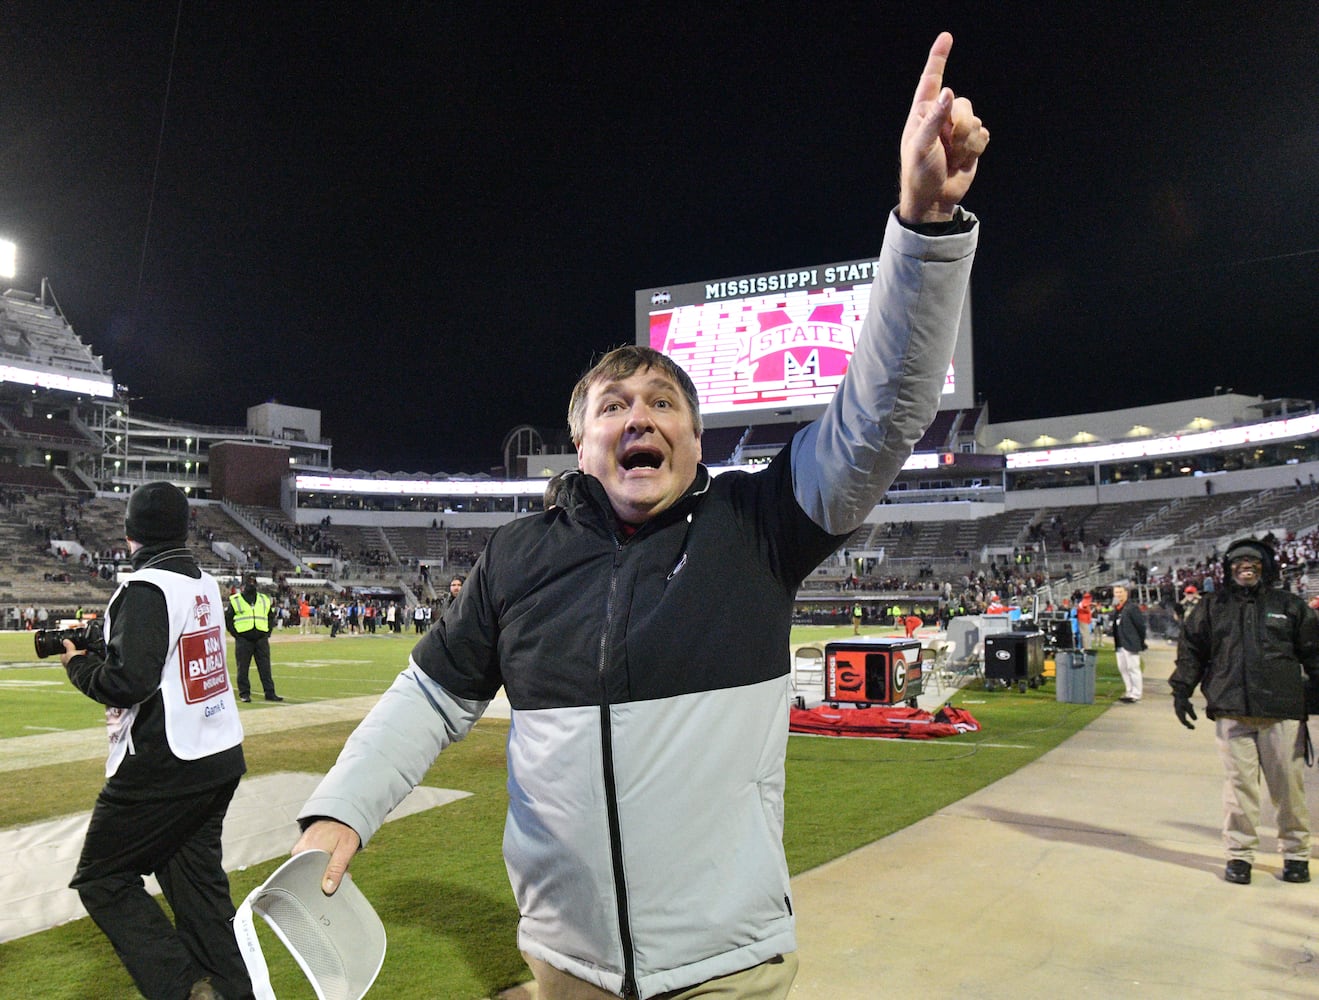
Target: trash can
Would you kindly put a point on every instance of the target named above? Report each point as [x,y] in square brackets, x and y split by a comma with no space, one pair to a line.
[1076,676]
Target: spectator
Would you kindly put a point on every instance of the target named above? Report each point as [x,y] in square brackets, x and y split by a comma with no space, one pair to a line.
[1253,650]
[1128,629]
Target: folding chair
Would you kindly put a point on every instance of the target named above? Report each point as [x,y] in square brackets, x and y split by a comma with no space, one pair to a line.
[807,672]
[934,664]
[958,672]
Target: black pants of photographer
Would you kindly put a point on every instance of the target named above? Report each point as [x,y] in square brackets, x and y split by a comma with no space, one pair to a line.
[244,650]
[178,841]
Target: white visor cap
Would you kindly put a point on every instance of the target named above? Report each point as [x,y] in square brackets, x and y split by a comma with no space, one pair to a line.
[338,941]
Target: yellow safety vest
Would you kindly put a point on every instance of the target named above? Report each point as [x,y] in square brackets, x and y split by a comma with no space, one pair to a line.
[250,616]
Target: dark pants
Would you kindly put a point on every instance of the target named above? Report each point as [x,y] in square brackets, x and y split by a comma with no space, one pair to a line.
[245,647]
[178,841]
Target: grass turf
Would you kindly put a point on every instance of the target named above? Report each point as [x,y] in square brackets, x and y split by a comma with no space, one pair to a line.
[437,879]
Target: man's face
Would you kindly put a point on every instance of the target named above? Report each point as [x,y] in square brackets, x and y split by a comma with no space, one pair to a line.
[1119,596]
[1247,570]
[639,439]
[455,587]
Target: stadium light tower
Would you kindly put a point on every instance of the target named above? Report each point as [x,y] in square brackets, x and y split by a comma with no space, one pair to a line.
[8,259]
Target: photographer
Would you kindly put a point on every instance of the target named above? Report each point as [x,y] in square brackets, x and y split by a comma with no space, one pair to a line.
[174,762]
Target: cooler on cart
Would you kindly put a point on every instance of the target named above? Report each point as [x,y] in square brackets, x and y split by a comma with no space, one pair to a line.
[872,671]
[1014,658]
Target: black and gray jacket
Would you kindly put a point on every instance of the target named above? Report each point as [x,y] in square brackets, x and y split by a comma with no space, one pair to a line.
[648,675]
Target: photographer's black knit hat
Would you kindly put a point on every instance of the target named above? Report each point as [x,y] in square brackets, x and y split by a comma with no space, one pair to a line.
[157,512]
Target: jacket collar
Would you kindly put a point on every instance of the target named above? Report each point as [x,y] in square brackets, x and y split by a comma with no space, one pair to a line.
[169,550]
[584,497]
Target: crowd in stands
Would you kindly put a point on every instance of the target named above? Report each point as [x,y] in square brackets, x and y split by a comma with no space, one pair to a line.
[11,497]
[1061,536]
[304,537]
[1297,556]
[1298,553]
[69,524]
[318,539]
[1014,582]
[89,527]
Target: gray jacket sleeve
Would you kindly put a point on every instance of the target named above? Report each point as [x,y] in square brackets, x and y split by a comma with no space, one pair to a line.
[390,751]
[844,462]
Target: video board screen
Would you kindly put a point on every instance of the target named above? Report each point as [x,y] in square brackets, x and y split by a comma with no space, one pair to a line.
[777,343]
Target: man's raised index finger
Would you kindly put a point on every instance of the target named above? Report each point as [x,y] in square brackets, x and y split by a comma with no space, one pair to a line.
[932,76]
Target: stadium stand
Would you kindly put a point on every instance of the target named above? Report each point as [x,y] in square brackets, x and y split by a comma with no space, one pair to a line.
[1022,509]
[765,440]
[33,332]
[720,445]
[938,436]
[29,477]
[14,424]
[408,543]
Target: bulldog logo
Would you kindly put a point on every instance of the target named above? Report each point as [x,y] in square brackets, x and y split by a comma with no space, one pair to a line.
[785,350]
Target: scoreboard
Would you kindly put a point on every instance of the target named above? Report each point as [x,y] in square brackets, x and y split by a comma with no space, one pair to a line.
[771,347]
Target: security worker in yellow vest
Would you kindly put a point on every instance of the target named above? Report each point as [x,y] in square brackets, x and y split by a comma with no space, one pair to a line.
[248,619]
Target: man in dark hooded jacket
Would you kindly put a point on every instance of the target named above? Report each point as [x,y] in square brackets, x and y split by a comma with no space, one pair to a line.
[1253,649]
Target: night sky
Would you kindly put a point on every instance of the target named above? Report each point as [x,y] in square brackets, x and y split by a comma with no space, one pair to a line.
[425,220]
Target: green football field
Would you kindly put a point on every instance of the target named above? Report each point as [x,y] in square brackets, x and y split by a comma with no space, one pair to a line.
[36,697]
[437,878]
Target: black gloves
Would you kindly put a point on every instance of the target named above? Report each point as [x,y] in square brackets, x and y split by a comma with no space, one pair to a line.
[1181,704]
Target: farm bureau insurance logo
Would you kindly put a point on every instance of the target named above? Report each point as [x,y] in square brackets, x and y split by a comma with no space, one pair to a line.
[785,350]
[201,656]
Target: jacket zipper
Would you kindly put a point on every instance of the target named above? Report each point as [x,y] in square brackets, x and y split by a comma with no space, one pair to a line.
[611,791]
[1251,644]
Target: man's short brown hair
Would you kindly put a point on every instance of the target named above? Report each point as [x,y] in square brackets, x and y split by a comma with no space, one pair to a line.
[622,363]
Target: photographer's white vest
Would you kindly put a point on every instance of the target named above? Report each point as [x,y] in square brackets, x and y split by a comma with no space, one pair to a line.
[201,714]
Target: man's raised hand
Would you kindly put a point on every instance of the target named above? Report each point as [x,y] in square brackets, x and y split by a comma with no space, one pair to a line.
[941,144]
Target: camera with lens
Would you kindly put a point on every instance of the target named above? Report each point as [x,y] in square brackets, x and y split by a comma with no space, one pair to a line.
[50,641]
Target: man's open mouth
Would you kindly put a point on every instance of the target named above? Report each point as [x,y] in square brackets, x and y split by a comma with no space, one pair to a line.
[642,460]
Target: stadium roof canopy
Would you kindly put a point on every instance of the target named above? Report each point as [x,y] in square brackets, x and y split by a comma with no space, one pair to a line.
[38,349]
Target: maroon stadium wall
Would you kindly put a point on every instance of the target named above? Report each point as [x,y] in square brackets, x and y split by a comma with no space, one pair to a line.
[248,474]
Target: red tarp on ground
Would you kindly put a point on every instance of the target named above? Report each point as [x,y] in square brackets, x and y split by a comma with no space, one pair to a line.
[897,722]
